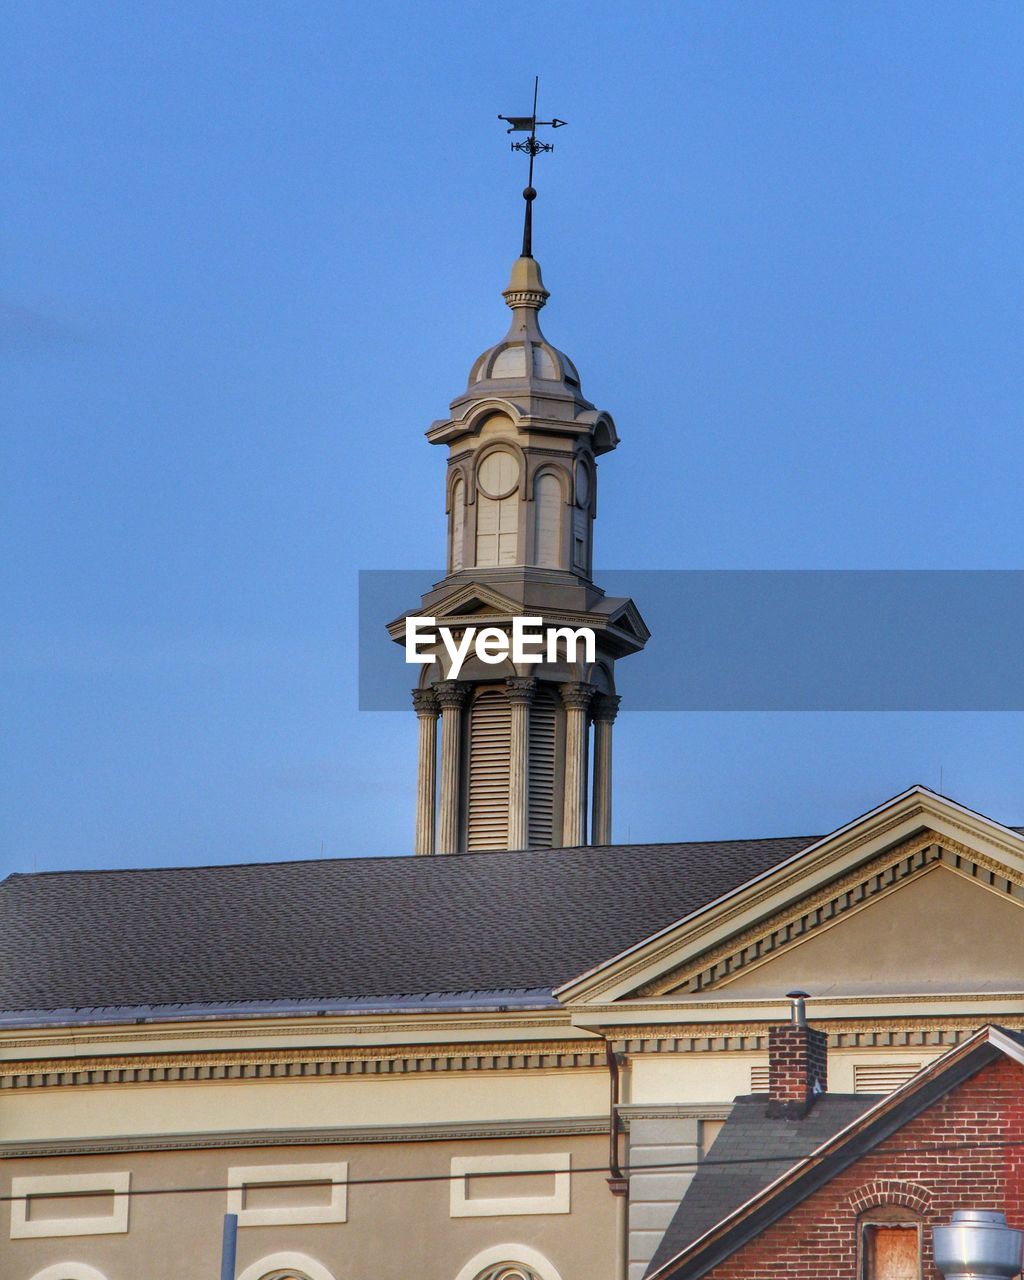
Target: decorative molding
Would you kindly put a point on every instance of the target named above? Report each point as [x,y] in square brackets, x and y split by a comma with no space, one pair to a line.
[315,1024]
[504,1253]
[630,1111]
[801,866]
[241,1179]
[867,883]
[425,703]
[308,1064]
[69,1271]
[904,1033]
[457,1131]
[24,1190]
[880,1192]
[498,1206]
[275,1263]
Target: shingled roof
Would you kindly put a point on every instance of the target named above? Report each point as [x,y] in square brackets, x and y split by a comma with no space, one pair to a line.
[351,927]
[752,1150]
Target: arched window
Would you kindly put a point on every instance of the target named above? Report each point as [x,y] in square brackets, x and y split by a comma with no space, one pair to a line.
[497,513]
[286,1266]
[457,524]
[509,1262]
[581,520]
[547,510]
[69,1271]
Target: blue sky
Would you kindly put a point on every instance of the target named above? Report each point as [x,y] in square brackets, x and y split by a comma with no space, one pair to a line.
[249,252]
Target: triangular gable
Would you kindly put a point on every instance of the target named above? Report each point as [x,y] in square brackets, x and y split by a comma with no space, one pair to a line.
[914,834]
[833,1156]
[468,601]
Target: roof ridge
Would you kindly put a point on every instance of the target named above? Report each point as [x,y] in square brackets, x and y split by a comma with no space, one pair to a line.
[415,859]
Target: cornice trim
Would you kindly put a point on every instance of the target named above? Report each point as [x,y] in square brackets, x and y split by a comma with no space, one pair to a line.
[457,1131]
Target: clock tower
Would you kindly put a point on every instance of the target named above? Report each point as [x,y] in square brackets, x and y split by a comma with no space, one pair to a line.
[525,749]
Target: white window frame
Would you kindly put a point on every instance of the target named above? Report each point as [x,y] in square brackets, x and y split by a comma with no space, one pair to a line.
[510,1253]
[241,1178]
[297,1262]
[498,1205]
[69,1184]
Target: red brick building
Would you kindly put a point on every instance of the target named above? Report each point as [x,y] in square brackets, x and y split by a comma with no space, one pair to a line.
[815,1186]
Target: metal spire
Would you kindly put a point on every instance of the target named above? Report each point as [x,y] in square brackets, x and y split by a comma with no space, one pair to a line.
[528,124]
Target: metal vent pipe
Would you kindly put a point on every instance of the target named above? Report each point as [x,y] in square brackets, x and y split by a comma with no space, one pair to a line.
[978,1245]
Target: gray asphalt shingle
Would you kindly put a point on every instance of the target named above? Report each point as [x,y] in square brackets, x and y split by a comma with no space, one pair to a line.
[770,1145]
[351,926]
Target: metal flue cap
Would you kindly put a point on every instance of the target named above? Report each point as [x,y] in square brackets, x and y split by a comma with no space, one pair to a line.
[797,1009]
[978,1245]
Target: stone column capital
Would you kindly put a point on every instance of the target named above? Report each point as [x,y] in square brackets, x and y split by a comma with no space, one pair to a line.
[605,707]
[451,693]
[577,695]
[425,703]
[521,688]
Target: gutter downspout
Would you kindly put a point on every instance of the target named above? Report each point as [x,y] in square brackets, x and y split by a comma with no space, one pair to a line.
[618,1181]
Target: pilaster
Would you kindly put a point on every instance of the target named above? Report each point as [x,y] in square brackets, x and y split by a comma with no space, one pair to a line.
[577,698]
[426,706]
[451,696]
[603,710]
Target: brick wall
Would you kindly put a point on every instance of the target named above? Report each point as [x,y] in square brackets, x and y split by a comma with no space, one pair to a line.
[818,1239]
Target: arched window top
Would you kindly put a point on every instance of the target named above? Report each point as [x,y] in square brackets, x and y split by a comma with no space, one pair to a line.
[584,485]
[286,1266]
[69,1271]
[509,1262]
[549,506]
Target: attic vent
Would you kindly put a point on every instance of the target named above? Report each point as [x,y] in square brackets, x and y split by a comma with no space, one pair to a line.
[884,1077]
[490,733]
[543,733]
[759,1079]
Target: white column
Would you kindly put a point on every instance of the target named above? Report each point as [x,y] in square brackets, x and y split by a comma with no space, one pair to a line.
[521,692]
[451,697]
[576,698]
[426,706]
[603,711]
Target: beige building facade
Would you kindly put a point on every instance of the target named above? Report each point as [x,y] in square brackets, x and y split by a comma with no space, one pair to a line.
[502,1064]
[453,1140]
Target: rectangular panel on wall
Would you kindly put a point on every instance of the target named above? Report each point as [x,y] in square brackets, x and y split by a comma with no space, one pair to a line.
[269,1195]
[497,1186]
[543,741]
[490,740]
[71,1204]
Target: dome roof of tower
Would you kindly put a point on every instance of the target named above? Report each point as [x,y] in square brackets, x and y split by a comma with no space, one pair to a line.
[524,355]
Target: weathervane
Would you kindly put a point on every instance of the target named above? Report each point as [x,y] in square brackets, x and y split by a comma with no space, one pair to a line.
[532,147]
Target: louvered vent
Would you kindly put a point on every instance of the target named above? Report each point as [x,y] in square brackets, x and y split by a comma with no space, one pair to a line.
[759,1079]
[884,1077]
[543,734]
[489,743]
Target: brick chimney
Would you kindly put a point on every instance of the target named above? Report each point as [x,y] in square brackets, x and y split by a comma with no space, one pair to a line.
[797,1063]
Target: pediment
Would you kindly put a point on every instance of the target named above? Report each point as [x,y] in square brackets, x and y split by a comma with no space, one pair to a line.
[918,896]
[934,929]
[474,599]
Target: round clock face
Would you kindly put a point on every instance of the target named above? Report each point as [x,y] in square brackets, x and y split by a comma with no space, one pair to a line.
[498,476]
[582,486]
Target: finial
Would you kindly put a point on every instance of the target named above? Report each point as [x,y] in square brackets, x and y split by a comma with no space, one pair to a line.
[528,124]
